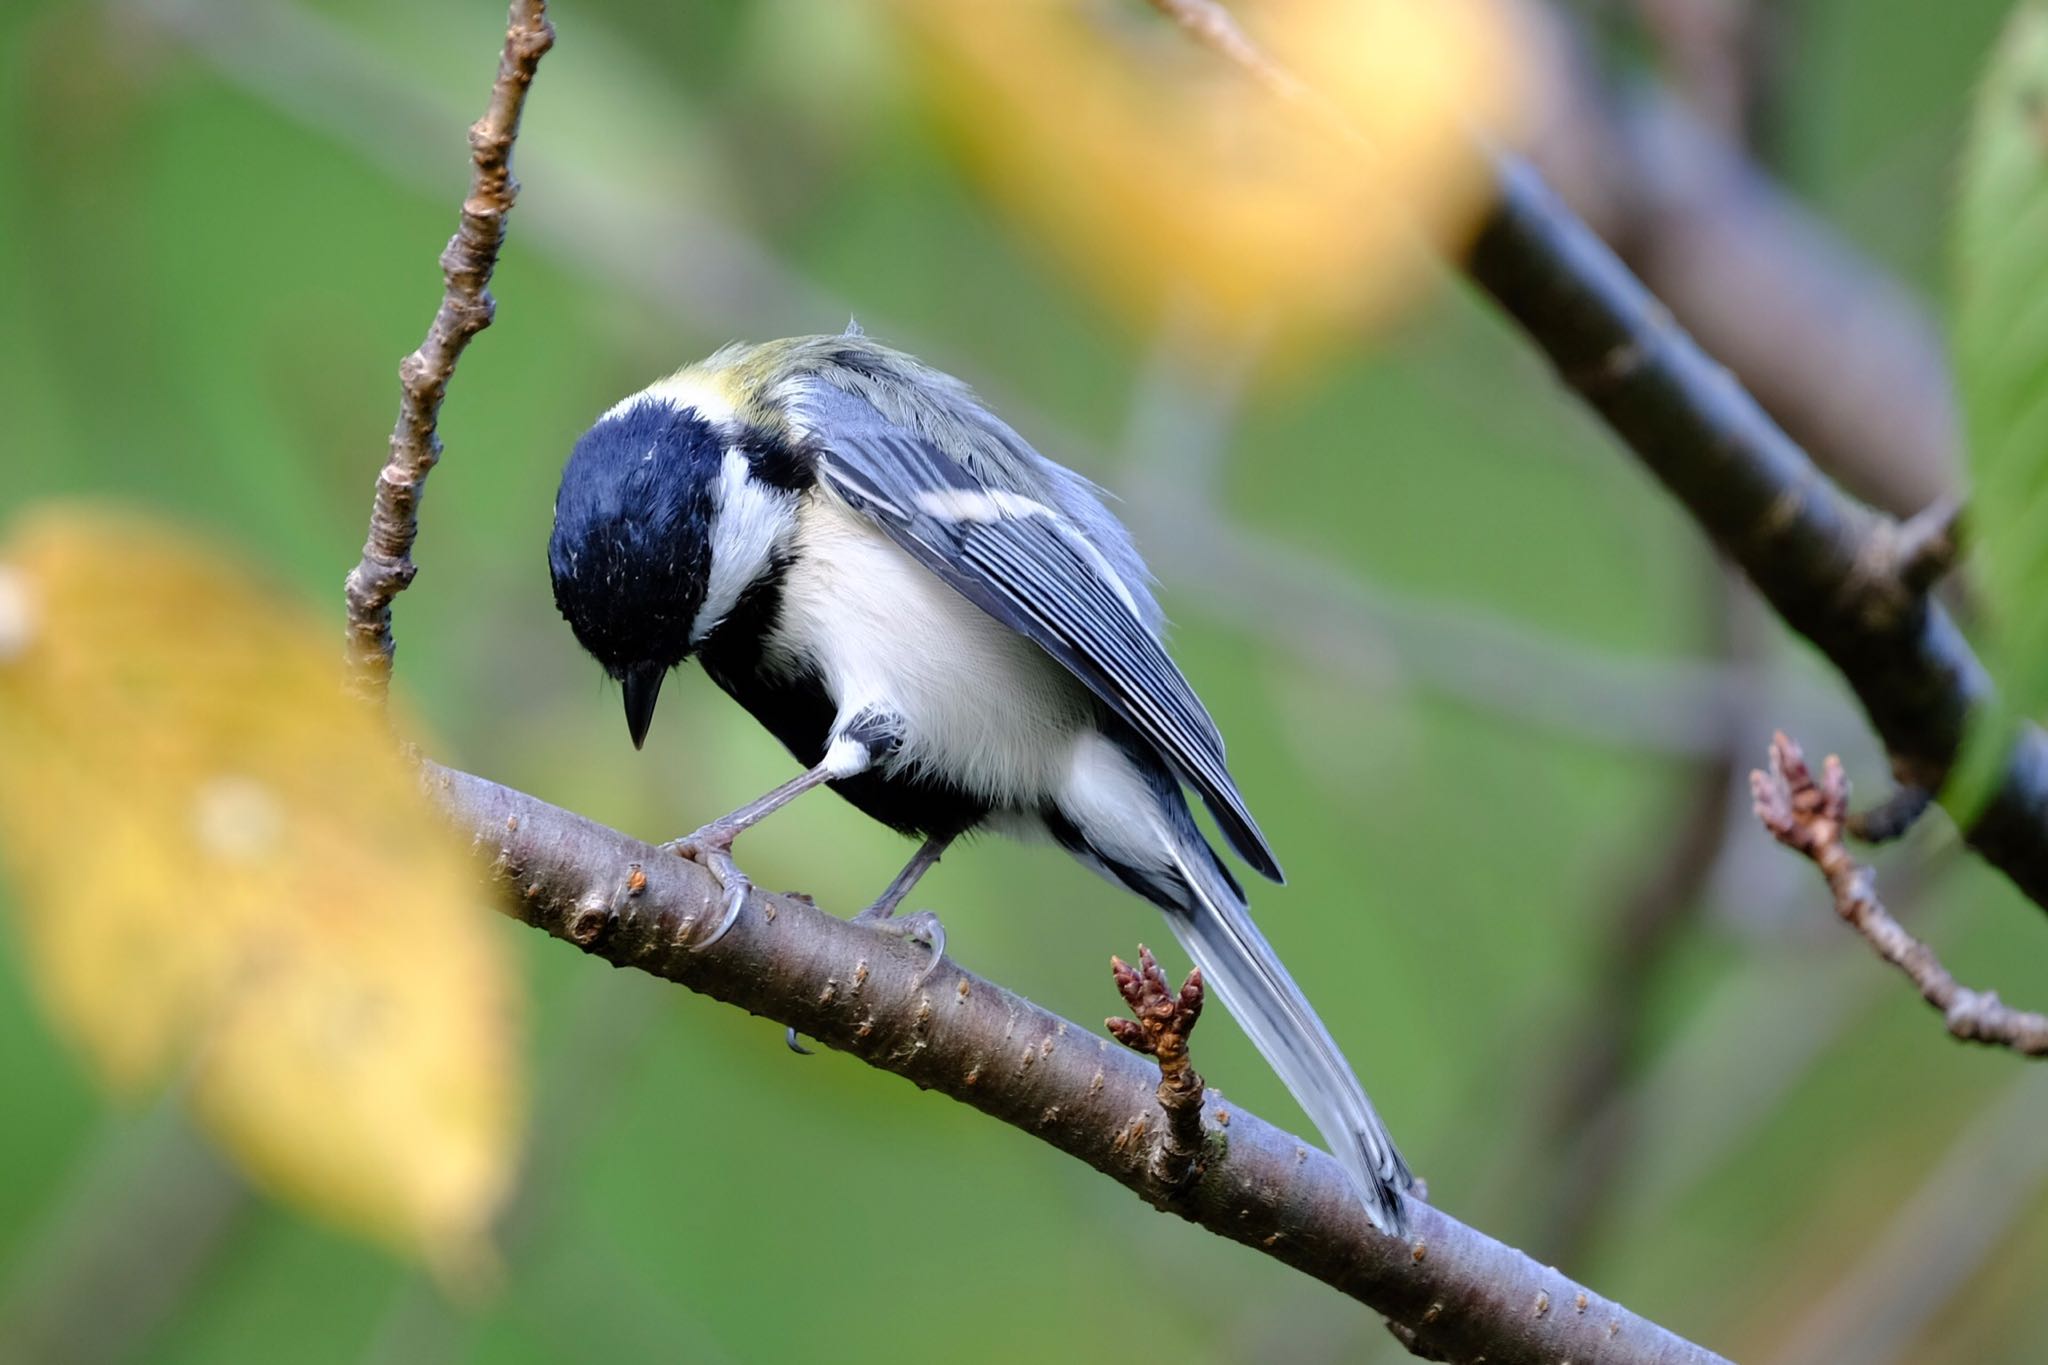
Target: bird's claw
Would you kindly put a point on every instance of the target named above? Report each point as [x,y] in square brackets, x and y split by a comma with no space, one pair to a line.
[711,849]
[922,927]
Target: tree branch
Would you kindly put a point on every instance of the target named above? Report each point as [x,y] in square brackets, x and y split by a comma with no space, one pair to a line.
[1844,357]
[1457,1293]
[386,568]
[1810,818]
[1852,580]
[1849,578]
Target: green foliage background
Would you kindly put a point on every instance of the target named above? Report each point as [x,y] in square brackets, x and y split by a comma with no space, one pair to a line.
[2002,365]
[218,223]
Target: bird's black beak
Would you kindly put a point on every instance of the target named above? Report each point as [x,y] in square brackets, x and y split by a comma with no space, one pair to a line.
[643,689]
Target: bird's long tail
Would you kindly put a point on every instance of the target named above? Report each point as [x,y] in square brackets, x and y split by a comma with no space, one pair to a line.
[1217,932]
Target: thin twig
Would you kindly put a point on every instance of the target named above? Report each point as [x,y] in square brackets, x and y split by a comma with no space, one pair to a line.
[1161,1023]
[386,567]
[1809,817]
[1462,1294]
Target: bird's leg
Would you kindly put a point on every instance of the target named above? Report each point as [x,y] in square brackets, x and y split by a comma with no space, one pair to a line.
[711,847]
[924,860]
[923,927]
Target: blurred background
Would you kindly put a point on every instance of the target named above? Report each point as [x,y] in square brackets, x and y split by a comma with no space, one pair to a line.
[1491,696]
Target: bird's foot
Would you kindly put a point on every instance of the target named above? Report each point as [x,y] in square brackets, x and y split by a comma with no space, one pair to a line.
[922,927]
[711,849]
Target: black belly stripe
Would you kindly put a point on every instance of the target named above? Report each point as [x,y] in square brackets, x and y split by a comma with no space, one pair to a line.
[799,712]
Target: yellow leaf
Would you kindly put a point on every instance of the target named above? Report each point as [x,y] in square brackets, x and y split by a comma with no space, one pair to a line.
[227,873]
[1176,183]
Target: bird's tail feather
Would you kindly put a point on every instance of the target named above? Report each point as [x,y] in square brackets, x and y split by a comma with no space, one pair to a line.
[1242,968]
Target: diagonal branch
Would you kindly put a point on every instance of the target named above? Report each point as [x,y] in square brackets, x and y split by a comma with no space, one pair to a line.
[1852,580]
[1452,1291]
[386,568]
[1810,817]
[1842,355]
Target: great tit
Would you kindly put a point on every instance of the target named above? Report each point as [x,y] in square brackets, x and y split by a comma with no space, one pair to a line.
[946,628]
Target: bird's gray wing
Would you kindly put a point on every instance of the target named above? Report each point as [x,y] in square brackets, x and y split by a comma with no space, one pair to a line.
[1028,565]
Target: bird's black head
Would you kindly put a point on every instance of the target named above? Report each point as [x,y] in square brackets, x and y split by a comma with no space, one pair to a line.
[631,552]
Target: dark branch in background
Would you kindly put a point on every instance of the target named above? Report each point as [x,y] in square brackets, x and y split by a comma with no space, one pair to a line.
[1725,55]
[1849,578]
[1456,1293]
[1846,359]
[1809,817]
[386,568]
[1852,580]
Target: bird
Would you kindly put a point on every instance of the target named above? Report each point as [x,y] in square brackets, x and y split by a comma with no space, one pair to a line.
[947,628]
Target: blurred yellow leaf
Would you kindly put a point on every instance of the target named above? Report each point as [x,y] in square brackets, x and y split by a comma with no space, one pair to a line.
[226,872]
[1177,183]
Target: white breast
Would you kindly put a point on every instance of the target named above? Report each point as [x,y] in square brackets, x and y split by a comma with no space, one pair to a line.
[978,702]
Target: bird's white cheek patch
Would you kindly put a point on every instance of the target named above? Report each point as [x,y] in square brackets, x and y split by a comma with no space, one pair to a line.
[749,521]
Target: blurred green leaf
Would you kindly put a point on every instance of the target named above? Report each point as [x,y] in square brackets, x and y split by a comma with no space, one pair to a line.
[2001,333]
